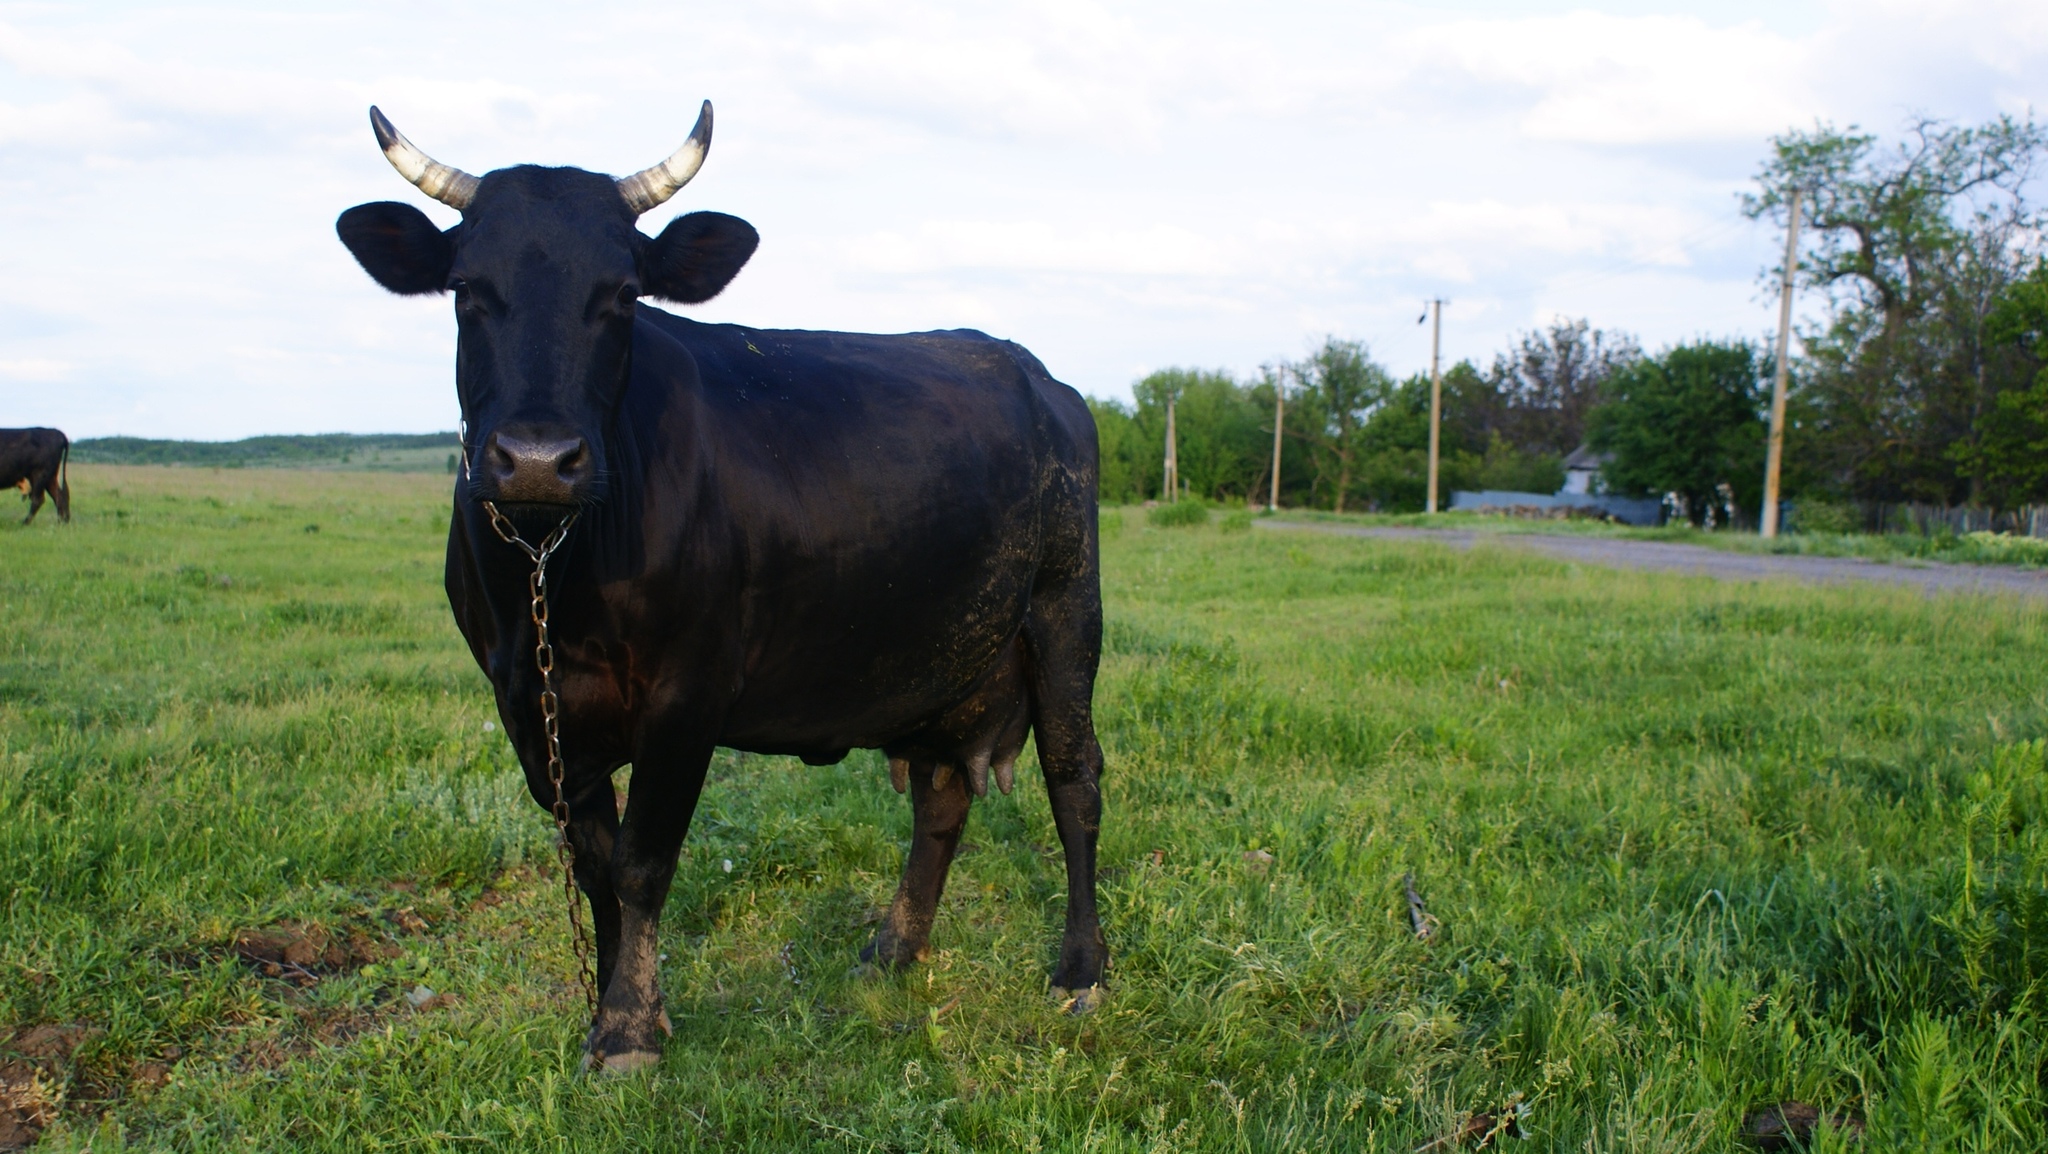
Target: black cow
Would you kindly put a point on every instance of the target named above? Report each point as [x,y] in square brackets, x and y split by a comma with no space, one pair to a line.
[37,461]
[786,542]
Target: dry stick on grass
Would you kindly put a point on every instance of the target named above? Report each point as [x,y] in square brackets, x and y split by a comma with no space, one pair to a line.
[1425,925]
[1480,1126]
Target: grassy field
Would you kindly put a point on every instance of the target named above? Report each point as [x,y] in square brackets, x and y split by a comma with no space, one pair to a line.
[1694,848]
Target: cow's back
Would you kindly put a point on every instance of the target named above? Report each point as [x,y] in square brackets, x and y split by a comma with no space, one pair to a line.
[889,500]
[31,455]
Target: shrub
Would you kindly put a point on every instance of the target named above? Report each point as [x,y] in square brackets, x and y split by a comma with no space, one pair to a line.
[1999,547]
[1825,517]
[1237,521]
[1179,514]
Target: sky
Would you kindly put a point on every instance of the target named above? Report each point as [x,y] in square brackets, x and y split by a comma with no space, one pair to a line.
[1119,187]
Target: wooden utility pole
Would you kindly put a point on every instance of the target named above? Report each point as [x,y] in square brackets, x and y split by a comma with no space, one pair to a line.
[1172,485]
[1774,456]
[1279,415]
[1436,397]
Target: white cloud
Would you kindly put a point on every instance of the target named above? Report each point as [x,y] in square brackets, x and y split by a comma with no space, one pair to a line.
[35,370]
[1113,185]
[1039,246]
[1594,78]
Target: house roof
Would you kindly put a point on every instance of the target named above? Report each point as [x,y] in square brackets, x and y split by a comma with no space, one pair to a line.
[1585,458]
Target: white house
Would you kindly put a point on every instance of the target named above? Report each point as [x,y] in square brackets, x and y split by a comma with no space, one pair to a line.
[1582,472]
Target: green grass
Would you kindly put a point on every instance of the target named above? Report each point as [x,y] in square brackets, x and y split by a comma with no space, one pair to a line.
[1694,848]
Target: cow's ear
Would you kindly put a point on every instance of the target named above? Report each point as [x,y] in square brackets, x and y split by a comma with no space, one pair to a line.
[398,246]
[696,256]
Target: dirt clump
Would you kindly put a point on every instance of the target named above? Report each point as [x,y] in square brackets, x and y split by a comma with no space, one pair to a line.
[303,954]
[1791,1125]
[31,1062]
[27,1104]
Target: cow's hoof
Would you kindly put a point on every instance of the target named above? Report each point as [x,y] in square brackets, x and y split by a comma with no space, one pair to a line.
[888,952]
[1083,1001]
[620,1065]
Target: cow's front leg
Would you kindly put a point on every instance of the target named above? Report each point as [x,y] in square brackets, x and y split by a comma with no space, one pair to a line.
[630,1024]
[593,836]
[940,814]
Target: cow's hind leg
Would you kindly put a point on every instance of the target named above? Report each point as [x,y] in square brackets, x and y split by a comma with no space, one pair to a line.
[35,502]
[627,1033]
[940,814]
[1064,635]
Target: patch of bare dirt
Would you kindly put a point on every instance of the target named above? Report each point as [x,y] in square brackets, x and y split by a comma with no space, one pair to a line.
[1791,1126]
[33,1060]
[302,954]
[27,1104]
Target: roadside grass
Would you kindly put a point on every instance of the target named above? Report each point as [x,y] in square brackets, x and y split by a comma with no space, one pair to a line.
[1980,548]
[1694,848]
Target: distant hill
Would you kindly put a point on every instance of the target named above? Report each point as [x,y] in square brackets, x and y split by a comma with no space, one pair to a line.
[384,452]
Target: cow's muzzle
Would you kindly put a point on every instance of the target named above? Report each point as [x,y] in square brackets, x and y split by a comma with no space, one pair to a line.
[537,469]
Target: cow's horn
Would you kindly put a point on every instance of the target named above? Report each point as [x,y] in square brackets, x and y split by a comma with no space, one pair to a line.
[651,186]
[451,186]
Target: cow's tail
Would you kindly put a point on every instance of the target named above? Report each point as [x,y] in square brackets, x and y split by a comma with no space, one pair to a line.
[64,481]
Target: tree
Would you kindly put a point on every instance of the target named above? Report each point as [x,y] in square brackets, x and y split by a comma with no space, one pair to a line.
[1688,421]
[1912,248]
[1224,430]
[2010,453]
[1551,380]
[1335,388]
[1394,444]
[1223,434]
[1127,467]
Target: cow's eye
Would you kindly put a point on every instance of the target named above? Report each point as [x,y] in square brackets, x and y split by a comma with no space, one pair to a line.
[461,290]
[627,295]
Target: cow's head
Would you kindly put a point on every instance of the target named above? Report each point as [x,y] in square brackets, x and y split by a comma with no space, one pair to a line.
[545,268]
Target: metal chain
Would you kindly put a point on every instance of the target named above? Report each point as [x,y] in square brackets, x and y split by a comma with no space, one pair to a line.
[550,714]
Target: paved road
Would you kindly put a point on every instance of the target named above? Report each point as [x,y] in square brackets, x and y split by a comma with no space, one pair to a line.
[1929,576]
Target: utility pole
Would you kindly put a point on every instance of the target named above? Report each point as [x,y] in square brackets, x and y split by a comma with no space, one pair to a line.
[1436,396]
[1279,414]
[1172,485]
[1774,456]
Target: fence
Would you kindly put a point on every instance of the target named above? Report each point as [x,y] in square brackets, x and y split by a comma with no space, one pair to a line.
[1930,520]
[1623,509]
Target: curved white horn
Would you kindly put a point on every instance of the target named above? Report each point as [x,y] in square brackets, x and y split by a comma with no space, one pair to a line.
[650,186]
[451,186]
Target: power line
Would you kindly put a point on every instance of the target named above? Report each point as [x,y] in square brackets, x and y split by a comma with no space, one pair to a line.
[1700,237]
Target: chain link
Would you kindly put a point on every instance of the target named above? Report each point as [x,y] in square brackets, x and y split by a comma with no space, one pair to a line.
[550,724]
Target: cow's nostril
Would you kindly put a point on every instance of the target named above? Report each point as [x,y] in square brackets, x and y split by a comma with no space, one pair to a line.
[574,461]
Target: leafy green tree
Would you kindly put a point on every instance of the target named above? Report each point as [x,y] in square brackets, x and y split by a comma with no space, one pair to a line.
[2010,452]
[1335,388]
[1394,470]
[1688,421]
[1224,430]
[1912,247]
[1545,386]
[1223,433]
[1123,477]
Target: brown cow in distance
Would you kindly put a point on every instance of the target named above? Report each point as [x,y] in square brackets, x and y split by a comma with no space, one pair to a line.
[35,461]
